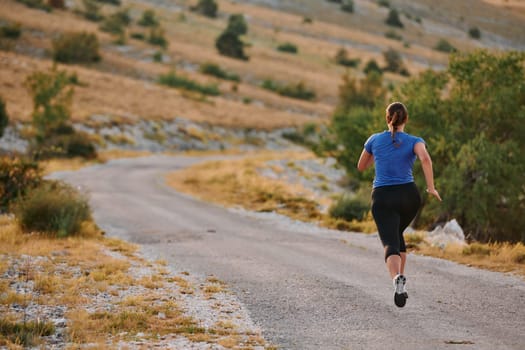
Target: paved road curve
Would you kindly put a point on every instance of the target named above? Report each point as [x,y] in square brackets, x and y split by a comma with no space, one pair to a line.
[307,288]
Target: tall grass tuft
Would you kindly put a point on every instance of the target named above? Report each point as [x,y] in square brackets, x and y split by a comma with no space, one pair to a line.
[25,333]
[53,207]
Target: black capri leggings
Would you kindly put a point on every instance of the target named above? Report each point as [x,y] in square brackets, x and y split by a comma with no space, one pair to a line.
[394,208]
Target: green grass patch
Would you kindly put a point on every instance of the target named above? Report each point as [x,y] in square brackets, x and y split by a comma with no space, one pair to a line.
[171,79]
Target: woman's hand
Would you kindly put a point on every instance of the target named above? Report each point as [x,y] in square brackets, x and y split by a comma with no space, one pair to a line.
[434,193]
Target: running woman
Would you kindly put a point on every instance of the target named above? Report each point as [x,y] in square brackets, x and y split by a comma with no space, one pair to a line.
[395,197]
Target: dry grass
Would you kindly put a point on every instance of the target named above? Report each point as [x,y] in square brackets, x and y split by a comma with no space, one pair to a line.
[71,271]
[237,183]
[502,257]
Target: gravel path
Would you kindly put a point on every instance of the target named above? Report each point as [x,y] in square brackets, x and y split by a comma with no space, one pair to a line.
[306,287]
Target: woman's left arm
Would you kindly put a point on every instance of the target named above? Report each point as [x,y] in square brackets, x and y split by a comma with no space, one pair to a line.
[365,160]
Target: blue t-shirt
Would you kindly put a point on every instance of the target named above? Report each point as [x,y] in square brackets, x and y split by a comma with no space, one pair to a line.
[393,160]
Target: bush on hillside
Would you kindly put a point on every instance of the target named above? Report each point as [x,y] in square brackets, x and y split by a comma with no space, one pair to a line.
[288,48]
[52,207]
[237,24]
[229,44]
[444,46]
[116,23]
[4,118]
[207,8]
[298,90]
[474,33]
[171,79]
[157,37]
[349,208]
[393,19]
[76,47]
[148,19]
[363,93]
[392,34]
[341,58]
[17,176]
[11,31]
[394,62]
[372,66]
[52,97]
[216,71]
[92,11]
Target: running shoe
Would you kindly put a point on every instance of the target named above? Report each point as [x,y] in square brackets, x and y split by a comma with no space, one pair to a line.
[400,294]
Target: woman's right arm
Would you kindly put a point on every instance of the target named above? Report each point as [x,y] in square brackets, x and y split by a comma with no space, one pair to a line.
[426,163]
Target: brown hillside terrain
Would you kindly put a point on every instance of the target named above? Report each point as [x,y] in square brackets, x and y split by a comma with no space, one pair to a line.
[123,84]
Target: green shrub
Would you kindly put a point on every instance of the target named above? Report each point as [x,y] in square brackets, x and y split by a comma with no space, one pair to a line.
[53,207]
[287,47]
[4,117]
[393,19]
[349,208]
[207,8]
[347,6]
[391,34]
[394,62]
[157,56]
[11,31]
[298,90]
[372,66]
[92,11]
[474,33]
[341,58]
[237,24]
[157,37]
[308,20]
[383,3]
[216,71]
[444,46]
[229,44]
[65,142]
[116,24]
[17,176]
[52,98]
[37,4]
[148,19]
[138,36]
[173,80]
[76,47]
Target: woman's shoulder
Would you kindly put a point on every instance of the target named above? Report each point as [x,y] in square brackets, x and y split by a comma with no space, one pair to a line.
[414,138]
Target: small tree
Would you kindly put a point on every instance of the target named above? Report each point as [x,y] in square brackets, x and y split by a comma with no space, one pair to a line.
[474,33]
[207,8]
[228,43]
[372,66]
[92,10]
[237,24]
[4,118]
[444,46]
[394,62]
[148,19]
[76,47]
[393,19]
[341,58]
[57,4]
[52,98]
